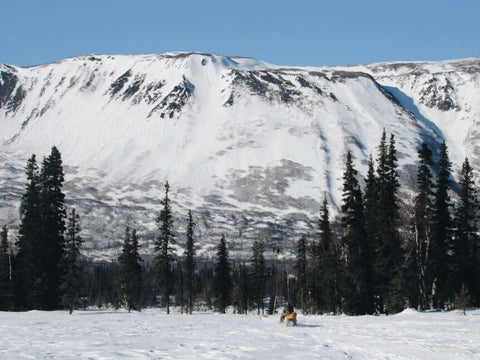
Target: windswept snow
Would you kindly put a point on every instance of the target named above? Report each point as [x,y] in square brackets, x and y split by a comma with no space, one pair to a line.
[152,334]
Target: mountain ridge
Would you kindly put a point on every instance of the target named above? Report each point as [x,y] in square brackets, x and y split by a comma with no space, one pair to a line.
[251,147]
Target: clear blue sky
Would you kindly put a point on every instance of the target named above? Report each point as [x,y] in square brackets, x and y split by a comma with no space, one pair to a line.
[300,32]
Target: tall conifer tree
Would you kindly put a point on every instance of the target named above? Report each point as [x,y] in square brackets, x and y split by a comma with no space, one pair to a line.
[388,257]
[52,242]
[466,245]
[222,278]
[71,274]
[441,232]
[330,271]
[422,224]
[357,286]
[26,284]
[130,271]
[164,251]
[190,264]
[258,274]
[318,265]
[41,236]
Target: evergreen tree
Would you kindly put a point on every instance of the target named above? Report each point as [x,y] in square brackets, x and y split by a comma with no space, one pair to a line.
[371,201]
[329,262]
[222,278]
[130,271]
[301,273]
[190,264]
[164,251]
[41,236]
[388,252]
[466,244]
[441,232]
[357,289]
[6,286]
[51,236]
[422,224]
[71,274]
[136,261]
[321,269]
[26,264]
[258,274]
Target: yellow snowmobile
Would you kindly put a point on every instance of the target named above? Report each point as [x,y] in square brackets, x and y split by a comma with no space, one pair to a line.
[289,316]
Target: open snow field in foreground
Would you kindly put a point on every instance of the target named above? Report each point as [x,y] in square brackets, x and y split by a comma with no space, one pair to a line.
[151,334]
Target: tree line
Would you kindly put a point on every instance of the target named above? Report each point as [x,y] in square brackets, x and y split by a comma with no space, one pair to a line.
[381,255]
[385,254]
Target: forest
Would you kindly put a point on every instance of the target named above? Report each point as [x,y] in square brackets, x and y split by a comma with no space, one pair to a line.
[381,255]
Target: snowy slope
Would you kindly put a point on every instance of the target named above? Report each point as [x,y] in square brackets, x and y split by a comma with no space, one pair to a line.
[152,334]
[250,147]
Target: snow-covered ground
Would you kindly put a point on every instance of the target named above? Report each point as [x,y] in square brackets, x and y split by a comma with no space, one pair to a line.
[151,334]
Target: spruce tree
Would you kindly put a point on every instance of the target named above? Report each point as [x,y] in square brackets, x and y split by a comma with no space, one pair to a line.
[357,286]
[371,201]
[466,244]
[321,270]
[190,264]
[422,224]
[26,264]
[222,278]
[164,251]
[51,237]
[258,274]
[6,286]
[329,269]
[136,265]
[441,232]
[130,271]
[71,272]
[388,251]
[41,236]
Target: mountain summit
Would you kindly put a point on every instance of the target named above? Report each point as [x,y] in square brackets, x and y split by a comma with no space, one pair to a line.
[248,146]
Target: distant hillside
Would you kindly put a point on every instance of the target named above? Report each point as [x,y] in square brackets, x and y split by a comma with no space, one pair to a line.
[248,146]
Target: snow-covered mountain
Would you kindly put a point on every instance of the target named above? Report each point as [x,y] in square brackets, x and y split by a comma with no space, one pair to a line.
[248,146]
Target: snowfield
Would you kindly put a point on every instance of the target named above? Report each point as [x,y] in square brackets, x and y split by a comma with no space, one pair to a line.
[151,334]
